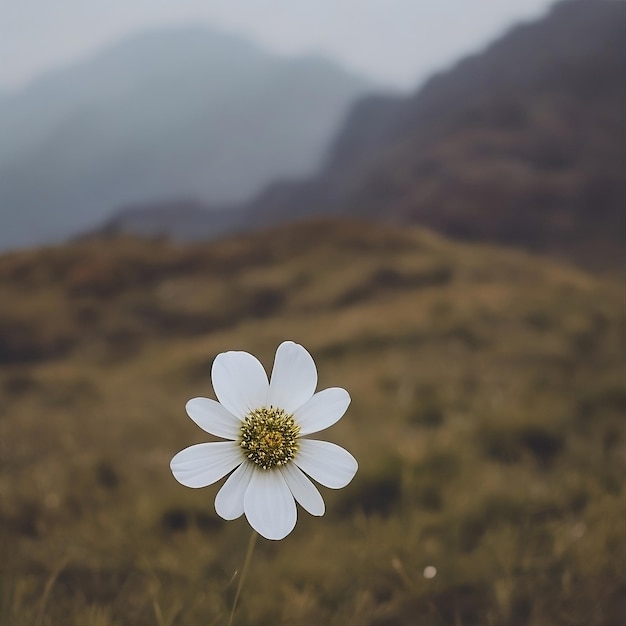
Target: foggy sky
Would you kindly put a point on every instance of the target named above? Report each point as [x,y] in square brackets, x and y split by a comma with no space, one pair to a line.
[397,42]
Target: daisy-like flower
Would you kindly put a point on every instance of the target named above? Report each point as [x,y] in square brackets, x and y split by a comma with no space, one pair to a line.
[265,424]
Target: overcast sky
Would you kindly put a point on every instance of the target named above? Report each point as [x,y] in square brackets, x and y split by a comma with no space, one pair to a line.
[398,42]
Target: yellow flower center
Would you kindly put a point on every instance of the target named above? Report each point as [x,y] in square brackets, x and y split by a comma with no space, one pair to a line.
[269,437]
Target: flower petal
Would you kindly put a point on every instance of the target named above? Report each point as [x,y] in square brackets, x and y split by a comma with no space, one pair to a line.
[303,490]
[327,463]
[269,504]
[229,500]
[213,418]
[322,410]
[240,382]
[294,377]
[205,463]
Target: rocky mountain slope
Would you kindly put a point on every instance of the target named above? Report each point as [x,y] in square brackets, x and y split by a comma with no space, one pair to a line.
[522,144]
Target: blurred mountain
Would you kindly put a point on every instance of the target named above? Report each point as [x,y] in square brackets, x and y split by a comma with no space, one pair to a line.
[179,112]
[521,144]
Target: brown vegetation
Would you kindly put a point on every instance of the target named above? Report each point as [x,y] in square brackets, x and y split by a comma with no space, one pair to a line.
[487,415]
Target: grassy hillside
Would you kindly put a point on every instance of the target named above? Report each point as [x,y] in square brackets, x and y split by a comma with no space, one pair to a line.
[488,397]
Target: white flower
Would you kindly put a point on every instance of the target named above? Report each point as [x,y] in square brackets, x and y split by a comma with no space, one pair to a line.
[264,423]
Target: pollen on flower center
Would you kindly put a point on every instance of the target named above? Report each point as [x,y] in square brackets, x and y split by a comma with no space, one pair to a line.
[269,437]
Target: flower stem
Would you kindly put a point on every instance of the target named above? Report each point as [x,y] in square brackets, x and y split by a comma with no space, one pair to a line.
[244,571]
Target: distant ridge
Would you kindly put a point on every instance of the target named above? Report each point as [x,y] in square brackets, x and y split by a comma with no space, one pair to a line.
[177,219]
[521,144]
[184,112]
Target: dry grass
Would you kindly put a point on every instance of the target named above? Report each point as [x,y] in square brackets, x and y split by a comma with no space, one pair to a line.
[488,398]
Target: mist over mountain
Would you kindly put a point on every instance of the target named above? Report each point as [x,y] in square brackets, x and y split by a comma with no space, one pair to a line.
[522,144]
[186,112]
